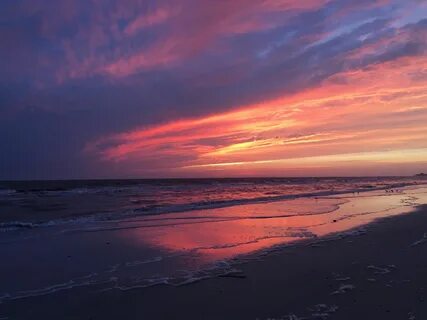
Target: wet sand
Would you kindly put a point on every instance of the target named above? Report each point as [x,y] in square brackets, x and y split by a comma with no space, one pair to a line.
[379,272]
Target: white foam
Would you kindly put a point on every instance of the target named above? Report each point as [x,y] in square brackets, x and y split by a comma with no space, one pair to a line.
[164,208]
[78,282]
[6,192]
[379,270]
[421,241]
[139,262]
[344,288]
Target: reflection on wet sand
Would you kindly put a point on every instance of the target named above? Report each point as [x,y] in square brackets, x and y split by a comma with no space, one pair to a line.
[229,232]
[181,247]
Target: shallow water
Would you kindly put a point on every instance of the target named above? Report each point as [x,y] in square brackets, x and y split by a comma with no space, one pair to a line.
[177,248]
[28,204]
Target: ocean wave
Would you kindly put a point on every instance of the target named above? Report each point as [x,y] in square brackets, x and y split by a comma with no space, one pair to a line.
[152,210]
[6,192]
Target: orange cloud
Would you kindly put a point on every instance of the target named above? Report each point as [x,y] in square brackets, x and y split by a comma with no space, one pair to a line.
[373,114]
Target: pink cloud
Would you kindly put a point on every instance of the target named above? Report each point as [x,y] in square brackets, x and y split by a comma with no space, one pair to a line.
[361,114]
[157,16]
[159,55]
[185,33]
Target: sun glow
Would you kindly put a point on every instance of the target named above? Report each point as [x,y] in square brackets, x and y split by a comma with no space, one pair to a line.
[364,116]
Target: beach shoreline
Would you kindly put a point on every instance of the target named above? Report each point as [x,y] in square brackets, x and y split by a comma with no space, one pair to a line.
[35,207]
[380,272]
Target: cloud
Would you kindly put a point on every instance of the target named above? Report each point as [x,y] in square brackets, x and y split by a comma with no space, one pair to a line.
[383,112]
[160,84]
[157,16]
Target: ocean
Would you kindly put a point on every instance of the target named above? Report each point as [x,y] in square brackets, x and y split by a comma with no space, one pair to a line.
[125,234]
[32,203]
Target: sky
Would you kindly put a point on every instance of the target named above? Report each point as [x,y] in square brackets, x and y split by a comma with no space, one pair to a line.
[212,88]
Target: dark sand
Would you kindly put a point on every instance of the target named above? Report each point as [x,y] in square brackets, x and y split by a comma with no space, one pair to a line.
[377,274]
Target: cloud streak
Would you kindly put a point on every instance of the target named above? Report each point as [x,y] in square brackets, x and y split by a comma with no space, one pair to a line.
[375,113]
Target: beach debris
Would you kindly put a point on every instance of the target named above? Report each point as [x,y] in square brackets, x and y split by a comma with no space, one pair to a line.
[344,288]
[421,241]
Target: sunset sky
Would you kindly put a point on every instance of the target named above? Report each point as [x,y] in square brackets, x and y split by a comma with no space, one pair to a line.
[212,88]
